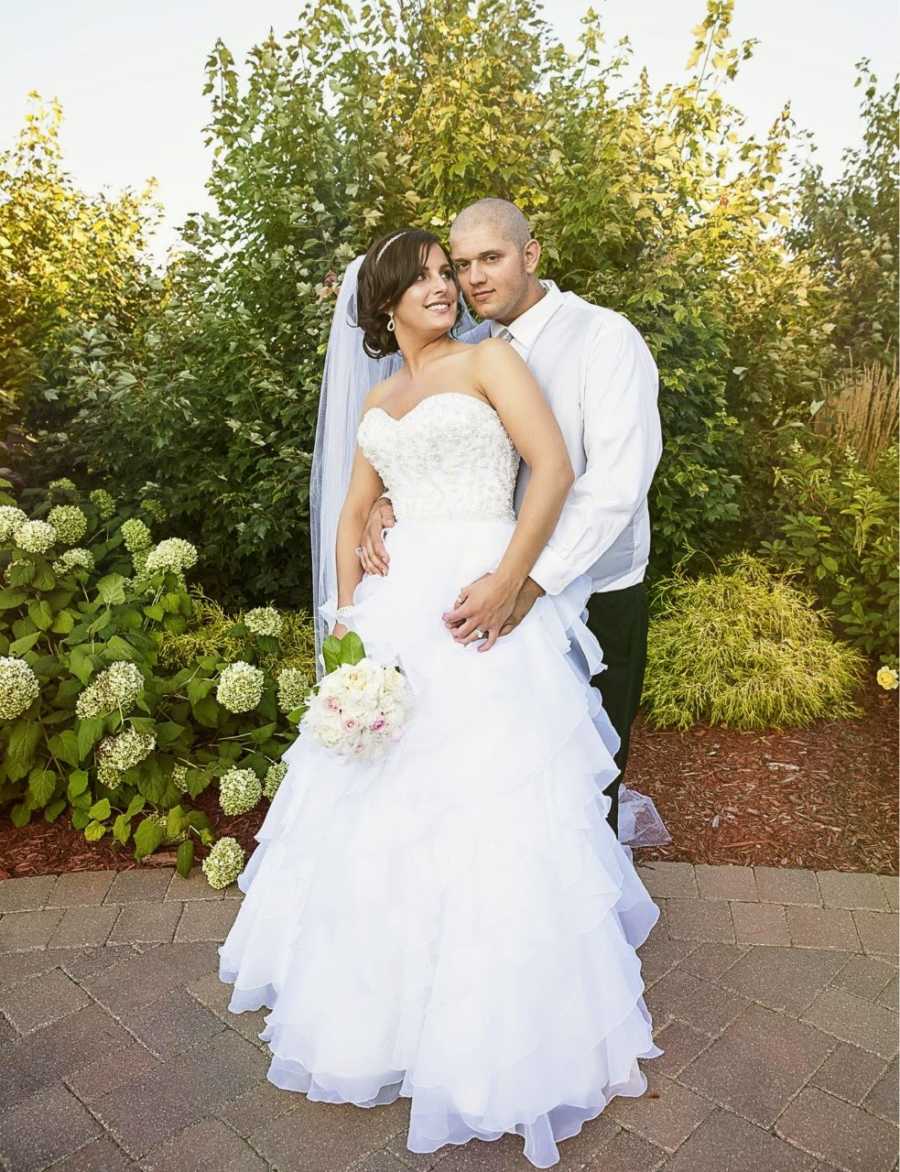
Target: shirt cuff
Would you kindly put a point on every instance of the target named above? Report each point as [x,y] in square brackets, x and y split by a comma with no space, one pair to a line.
[551,572]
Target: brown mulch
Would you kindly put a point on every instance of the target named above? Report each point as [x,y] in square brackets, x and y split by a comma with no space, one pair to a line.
[824,797]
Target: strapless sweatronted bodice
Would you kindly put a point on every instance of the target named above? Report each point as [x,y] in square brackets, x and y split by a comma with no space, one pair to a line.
[449,458]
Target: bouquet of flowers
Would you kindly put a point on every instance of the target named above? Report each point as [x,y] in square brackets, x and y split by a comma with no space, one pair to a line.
[360,707]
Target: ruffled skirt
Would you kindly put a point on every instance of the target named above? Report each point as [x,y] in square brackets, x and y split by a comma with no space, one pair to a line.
[454,922]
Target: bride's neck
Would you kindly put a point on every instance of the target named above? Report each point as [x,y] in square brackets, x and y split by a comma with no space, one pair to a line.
[419,352]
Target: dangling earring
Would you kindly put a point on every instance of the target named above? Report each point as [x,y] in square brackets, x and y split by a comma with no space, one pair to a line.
[390,326]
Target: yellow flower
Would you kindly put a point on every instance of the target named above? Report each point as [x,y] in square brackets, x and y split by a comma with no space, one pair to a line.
[888,679]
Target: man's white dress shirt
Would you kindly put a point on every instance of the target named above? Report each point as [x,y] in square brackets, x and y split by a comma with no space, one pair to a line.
[602,384]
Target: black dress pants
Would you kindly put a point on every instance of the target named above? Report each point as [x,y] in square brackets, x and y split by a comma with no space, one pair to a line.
[619,620]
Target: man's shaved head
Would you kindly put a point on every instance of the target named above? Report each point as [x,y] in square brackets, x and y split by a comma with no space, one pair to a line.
[499,214]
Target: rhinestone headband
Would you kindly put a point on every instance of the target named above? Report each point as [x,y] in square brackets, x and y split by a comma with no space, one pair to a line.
[387,244]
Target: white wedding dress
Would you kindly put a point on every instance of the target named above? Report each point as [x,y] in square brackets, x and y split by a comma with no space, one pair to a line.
[454,922]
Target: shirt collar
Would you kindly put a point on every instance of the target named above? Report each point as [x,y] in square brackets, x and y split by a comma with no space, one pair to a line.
[528,325]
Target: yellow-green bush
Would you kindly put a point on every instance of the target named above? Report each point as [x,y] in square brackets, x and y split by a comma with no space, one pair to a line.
[744,648]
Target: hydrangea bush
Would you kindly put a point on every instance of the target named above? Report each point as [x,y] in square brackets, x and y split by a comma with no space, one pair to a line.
[118,704]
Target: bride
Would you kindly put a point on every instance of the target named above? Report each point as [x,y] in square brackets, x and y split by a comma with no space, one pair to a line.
[454,922]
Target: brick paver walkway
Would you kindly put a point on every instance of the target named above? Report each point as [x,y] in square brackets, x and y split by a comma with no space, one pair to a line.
[774,995]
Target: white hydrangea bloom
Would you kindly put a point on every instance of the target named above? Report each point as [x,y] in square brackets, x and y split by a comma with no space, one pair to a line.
[275,775]
[239,791]
[264,620]
[35,536]
[108,775]
[179,778]
[73,559]
[19,687]
[69,522]
[224,862]
[153,508]
[240,687]
[136,535]
[172,554]
[118,686]
[10,520]
[125,750]
[103,503]
[293,689]
[61,488]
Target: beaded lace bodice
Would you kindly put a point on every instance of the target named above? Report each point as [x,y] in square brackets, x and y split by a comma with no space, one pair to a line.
[450,457]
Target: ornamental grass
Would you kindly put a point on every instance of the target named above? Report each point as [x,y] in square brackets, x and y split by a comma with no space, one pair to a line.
[743,648]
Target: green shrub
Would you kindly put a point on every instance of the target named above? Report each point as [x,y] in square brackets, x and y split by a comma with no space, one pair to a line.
[117,705]
[837,524]
[743,648]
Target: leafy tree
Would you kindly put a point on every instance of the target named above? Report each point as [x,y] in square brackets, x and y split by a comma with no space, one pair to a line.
[67,260]
[848,230]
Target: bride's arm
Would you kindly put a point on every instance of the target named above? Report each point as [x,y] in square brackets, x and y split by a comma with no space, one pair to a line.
[365,488]
[515,395]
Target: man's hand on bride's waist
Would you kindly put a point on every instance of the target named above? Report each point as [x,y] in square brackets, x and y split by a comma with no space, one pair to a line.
[482,610]
[372,551]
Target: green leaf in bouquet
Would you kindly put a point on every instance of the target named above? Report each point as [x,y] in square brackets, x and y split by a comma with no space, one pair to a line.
[78,783]
[331,653]
[63,623]
[10,599]
[94,831]
[155,612]
[352,649]
[41,787]
[111,589]
[175,624]
[147,838]
[24,738]
[184,859]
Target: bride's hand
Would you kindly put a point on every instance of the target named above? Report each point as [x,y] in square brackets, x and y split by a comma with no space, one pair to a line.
[339,630]
[481,610]
[372,551]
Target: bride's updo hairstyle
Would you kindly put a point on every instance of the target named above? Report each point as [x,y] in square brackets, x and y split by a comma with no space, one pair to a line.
[391,265]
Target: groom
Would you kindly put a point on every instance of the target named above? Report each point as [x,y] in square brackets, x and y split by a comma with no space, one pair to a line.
[601,382]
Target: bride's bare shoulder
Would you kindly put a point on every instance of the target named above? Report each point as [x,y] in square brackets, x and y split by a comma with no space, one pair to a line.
[381,391]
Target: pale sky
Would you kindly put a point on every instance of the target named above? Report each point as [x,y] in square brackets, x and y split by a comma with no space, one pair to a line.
[130,74]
